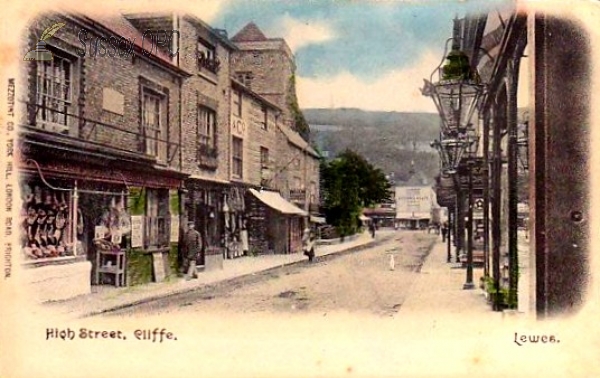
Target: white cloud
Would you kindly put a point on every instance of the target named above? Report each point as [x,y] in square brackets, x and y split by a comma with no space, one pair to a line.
[397,90]
[298,33]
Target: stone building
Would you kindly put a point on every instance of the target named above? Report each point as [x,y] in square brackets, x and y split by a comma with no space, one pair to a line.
[301,165]
[259,147]
[267,66]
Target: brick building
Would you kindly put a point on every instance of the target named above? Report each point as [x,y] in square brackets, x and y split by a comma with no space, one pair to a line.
[206,148]
[100,160]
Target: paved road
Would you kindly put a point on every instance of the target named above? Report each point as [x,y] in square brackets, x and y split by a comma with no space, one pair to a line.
[361,281]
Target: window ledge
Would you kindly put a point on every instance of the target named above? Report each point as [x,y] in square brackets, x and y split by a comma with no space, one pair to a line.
[53,261]
[208,76]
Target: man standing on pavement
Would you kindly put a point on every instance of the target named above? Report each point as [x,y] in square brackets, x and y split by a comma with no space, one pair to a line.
[192,242]
[444,231]
[372,229]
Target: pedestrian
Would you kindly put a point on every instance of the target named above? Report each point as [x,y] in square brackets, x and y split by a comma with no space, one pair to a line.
[308,244]
[244,238]
[372,229]
[192,243]
[444,231]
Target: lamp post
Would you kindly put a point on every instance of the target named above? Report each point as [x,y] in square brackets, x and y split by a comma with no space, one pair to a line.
[469,280]
[448,233]
[456,95]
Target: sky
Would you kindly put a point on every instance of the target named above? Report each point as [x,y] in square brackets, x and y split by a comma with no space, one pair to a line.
[371,55]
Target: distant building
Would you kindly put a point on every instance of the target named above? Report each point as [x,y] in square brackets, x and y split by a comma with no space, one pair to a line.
[384,213]
[414,205]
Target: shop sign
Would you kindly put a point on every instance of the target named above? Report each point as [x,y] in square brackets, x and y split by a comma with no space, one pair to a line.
[116,238]
[158,265]
[99,232]
[297,195]
[137,231]
[238,126]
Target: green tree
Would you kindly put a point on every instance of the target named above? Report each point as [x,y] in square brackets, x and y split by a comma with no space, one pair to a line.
[350,183]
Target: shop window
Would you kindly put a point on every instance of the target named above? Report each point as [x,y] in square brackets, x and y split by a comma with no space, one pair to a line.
[157,218]
[46,229]
[153,124]
[54,93]
[238,157]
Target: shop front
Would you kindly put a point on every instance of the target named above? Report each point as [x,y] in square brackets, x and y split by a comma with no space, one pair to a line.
[235,235]
[205,204]
[274,225]
[84,221]
[53,252]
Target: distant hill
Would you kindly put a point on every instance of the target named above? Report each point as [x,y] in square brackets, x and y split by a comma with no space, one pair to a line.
[389,140]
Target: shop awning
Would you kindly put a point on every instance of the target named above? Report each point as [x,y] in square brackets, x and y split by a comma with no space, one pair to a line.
[320,220]
[277,202]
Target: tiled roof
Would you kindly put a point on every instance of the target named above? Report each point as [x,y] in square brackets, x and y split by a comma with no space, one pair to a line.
[249,33]
[295,139]
[120,26]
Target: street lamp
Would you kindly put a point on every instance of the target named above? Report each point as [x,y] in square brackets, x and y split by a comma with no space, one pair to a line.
[451,151]
[456,92]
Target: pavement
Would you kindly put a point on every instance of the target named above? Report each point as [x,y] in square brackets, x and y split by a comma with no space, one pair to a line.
[106,298]
[440,286]
[438,295]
